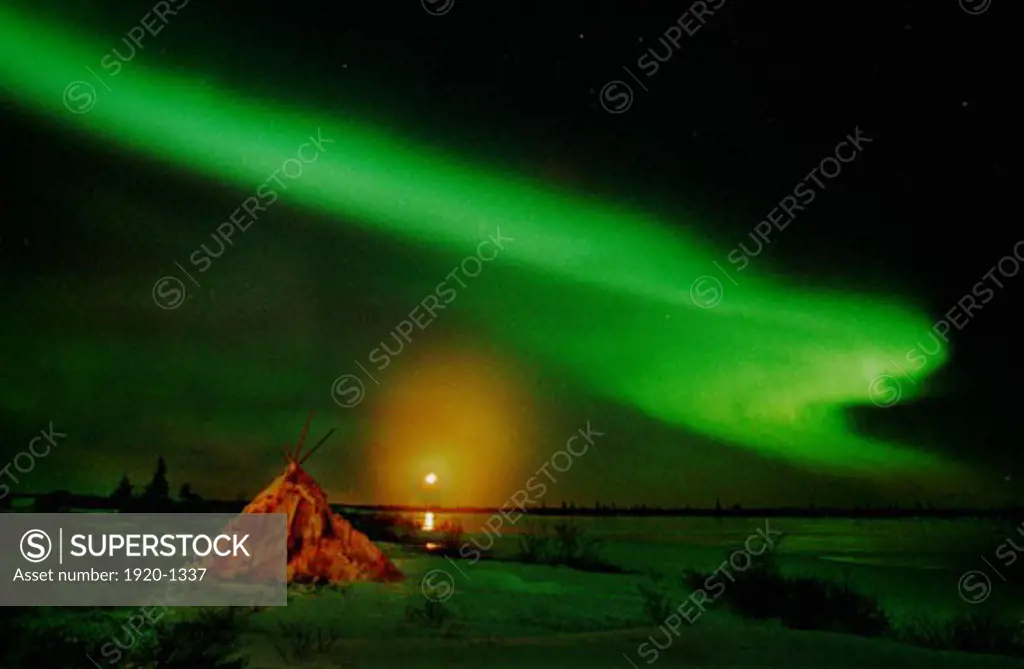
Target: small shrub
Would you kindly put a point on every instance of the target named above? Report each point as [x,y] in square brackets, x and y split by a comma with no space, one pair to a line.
[388,527]
[221,622]
[657,601]
[377,526]
[42,639]
[815,604]
[976,632]
[343,589]
[408,530]
[296,641]
[568,541]
[429,613]
[760,592]
[568,546]
[451,540]
[691,579]
[210,641]
[324,638]
[575,549]
[535,546]
[293,641]
[805,603]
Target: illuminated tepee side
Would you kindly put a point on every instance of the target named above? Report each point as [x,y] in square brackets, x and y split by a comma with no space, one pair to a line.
[322,546]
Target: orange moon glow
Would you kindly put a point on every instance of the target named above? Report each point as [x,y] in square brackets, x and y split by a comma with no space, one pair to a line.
[463,417]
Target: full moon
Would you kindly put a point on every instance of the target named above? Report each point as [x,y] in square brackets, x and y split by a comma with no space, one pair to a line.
[430,478]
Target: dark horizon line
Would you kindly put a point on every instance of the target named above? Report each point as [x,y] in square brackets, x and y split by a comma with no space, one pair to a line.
[738,512]
[892,510]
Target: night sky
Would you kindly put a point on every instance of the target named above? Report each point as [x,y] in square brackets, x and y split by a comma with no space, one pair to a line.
[442,140]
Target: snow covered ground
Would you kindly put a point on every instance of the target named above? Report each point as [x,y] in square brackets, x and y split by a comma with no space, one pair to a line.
[514,615]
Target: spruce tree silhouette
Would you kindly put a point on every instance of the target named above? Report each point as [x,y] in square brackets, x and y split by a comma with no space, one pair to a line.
[158,492]
[122,495]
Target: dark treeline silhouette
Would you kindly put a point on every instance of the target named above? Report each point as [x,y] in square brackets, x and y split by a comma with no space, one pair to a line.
[155,497]
[63,500]
[736,511]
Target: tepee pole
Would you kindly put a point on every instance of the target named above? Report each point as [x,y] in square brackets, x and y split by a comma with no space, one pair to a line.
[318,445]
[302,437]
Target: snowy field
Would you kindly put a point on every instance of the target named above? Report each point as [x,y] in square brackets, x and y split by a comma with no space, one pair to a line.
[503,613]
[512,615]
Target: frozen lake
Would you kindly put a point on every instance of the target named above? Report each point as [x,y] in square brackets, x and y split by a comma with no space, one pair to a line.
[912,565]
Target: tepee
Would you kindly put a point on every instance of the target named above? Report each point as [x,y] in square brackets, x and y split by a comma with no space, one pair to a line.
[322,546]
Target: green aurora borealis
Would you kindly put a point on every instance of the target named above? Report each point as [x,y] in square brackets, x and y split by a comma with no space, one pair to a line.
[773,368]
